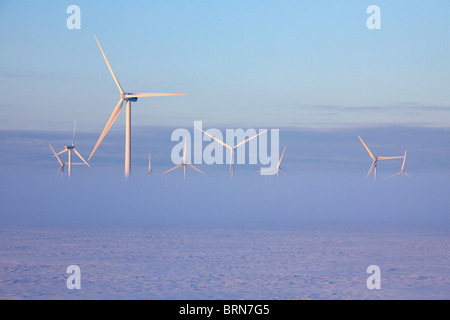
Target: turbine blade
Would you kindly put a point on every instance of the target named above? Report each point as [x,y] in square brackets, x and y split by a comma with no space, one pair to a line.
[394,175]
[110,122]
[370,153]
[59,160]
[173,168]
[389,158]
[214,138]
[74,127]
[59,153]
[60,171]
[109,66]
[79,155]
[371,168]
[241,143]
[281,158]
[193,167]
[142,95]
[404,159]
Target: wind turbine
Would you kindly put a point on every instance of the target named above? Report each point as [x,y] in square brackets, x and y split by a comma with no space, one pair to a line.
[150,170]
[230,147]
[184,163]
[69,149]
[402,171]
[375,160]
[278,168]
[128,97]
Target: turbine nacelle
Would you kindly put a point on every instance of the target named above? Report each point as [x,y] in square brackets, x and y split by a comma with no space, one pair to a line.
[128,97]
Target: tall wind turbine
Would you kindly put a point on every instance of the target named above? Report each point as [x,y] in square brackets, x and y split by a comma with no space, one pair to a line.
[69,149]
[231,148]
[402,171]
[278,167]
[375,160]
[184,163]
[128,97]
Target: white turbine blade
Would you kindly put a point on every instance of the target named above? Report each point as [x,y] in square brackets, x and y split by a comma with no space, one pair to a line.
[404,159]
[60,171]
[371,168]
[173,168]
[389,158]
[394,175]
[59,160]
[59,153]
[241,143]
[74,127]
[142,95]
[79,155]
[281,158]
[214,138]
[109,66]
[110,122]
[370,153]
[193,167]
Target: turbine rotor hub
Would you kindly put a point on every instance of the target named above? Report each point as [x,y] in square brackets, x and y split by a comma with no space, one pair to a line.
[126,97]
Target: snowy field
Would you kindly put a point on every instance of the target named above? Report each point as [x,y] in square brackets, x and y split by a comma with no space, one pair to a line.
[313,262]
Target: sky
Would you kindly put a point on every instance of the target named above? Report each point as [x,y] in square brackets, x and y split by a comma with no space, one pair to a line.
[311,69]
[241,63]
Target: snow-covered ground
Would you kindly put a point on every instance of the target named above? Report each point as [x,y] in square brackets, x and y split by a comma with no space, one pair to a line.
[311,262]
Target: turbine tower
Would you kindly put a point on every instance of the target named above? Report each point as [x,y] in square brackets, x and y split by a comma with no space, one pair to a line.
[69,149]
[185,163]
[402,171]
[231,148]
[278,167]
[128,97]
[375,160]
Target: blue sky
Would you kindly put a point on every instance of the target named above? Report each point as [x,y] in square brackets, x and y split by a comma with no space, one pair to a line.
[242,63]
